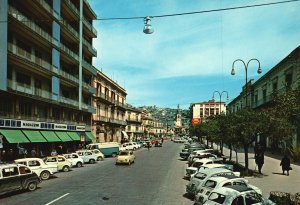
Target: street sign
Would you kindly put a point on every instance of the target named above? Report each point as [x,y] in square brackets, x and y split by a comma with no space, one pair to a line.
[196,121]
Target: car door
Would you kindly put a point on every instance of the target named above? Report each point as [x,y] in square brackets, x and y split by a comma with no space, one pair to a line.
[52,161]
[35,166]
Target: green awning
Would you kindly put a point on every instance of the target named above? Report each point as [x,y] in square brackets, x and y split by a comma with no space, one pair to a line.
[50,136]
[63,136]
[90,135]
[14,136]
[34,136]
[74,136]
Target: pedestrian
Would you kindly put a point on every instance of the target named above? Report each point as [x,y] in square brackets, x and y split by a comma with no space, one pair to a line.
[285,164]
[148,146]
[53,152]
[33,153]
[259,156]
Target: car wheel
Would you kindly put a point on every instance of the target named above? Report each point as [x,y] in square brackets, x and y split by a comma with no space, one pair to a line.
[32,186]
[114,155]
[66,168]
[45,175]
[79,164]
[92,161]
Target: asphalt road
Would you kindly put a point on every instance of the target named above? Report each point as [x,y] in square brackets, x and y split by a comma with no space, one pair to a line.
[154,179]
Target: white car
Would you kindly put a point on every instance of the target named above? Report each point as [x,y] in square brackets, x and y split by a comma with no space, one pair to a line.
[236,195]
[88,156]
[213,166]
[38,166]
[129,146]
[195,183]
[193,169]
[222,181]
[195,153]
[136,145]
[75,159]
[60,161]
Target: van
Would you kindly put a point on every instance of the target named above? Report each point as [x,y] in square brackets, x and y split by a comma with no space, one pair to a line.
[107,148]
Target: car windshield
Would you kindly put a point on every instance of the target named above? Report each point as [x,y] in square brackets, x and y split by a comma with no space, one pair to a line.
[200,176]
[124,153]
[210,184]
[253,198]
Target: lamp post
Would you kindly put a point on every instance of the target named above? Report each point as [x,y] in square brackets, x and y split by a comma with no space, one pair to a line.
[220,95]
[246,70]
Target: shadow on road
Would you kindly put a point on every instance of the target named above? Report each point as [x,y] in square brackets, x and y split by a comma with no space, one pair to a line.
[278,173]
[188,196]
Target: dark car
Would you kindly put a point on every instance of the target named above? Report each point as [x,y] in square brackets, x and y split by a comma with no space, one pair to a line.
[15,177]
[185,154]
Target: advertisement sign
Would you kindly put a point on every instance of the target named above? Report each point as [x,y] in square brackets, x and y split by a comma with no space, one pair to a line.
[30,124]
[196,121]
[60,127]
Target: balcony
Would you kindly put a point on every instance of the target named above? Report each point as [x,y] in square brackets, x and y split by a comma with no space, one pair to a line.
[89,27]
[68,101]
[69,76]
[30,90]
[31,25]
[48,8]
[90,48]
[30,58]
[72,7]
[69,29]
[69,52]
[90,8]
[89,67]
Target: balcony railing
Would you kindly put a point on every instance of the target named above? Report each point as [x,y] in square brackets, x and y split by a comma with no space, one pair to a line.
[69,52]
[70,28]
[68,101]
[90,8]
[69,76]
[90,47]
[30,24]
[89,26]
[27,56]
[48,8]
[72,7]
[89,67]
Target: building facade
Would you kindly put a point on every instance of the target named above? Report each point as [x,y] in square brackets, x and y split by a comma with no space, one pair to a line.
[203,110]
[282,77]
[109,121]
[134,123]
[46,71]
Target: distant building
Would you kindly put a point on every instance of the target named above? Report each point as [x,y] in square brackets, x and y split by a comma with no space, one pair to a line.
[134,123]
[203,110]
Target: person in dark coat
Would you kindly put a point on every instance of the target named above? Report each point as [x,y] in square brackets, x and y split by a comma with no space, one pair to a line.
[259,156]
[285,164]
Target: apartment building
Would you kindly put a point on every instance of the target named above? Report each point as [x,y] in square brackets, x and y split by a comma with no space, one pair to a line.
[46,72]
[109,121]
[134,123]
[203,110]
[282,77]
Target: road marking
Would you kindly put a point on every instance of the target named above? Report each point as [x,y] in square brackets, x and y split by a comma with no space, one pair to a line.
[51,202]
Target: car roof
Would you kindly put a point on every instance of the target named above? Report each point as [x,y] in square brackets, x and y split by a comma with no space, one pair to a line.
[214,171]
[240,188]
[210,166]
[204,160]
[3,166]
[27,159]
[225,177]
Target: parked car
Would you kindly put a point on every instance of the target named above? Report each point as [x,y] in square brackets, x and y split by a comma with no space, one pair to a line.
[195,183]
[213,166]
[137,145]
[203,155]
[185,155]
[194,168]
[15,177]
[107,148]
[125,157]
[99,155]
[75,159]
[158,144]
[60,161]
[88,156]
[222,181]
[38,166]
[232,195]
[198,152]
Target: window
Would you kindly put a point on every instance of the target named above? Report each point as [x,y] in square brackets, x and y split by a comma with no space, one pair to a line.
[216,197]
[210,183]
[51,160]
[253,198]
[10,171]
[238,201]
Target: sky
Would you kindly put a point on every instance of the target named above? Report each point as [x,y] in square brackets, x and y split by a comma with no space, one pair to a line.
[188,57]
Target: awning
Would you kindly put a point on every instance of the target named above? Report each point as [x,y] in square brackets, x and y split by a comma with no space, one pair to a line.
[63,136]
[14,136]
[125,135]
[74,136]
[50,136]
[34,136]
[90,135]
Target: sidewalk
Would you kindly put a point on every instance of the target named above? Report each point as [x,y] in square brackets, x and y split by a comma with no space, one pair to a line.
[272,179]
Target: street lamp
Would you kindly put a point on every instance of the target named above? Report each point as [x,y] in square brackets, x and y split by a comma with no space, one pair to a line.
[148,27]
[246,70]
[220,95]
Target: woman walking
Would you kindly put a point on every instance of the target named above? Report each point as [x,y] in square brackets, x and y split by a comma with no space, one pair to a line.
[285,164]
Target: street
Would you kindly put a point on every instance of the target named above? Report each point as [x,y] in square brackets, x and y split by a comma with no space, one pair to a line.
[155,178]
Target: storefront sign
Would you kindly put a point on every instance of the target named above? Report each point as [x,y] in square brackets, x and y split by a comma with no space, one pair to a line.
[30,124]
[60,127]
[196,121]
[80,128]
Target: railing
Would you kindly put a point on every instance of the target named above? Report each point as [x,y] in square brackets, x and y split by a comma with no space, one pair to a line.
[268,98]
[69,52]
[69,76]
[90,47]
[90,8]
[89,67]
[72,6]
[69,28]
[89,26]
[30,24]
[13,48]
[68,101]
